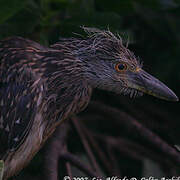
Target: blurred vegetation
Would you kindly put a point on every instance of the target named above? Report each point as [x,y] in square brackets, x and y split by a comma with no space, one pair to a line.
[152,25]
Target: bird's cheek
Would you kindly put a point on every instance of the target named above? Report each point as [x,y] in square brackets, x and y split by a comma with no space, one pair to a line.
[121,78]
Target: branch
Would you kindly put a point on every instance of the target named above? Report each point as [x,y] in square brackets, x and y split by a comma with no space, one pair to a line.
[77,163]
[132,125]
[92,159]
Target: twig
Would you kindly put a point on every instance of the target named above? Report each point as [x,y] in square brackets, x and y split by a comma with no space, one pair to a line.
[77,163]
[68,166]
[69,172]
[133,126]
[1,169]
[54,150]
[86,145]
[100,153]
[111,154]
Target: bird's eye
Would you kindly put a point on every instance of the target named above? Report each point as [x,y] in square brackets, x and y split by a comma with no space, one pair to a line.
[121,67]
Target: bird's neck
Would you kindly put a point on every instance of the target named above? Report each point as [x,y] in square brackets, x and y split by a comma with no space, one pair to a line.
[82,58]
[68,92]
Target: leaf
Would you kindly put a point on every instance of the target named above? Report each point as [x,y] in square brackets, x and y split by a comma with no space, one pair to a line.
[1,169]
[177,147]
[9,8]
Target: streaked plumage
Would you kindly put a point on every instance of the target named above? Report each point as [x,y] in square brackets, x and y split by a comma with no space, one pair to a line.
[40,87]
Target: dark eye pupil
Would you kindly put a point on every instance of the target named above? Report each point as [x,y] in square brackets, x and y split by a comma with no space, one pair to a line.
[121,66]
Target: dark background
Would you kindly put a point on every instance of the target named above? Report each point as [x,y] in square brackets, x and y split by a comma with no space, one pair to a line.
[153,28]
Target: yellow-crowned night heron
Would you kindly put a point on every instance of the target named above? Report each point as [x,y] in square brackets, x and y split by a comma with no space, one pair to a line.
[40,87]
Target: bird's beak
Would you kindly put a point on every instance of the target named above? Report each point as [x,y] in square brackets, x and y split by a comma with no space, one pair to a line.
[144,82]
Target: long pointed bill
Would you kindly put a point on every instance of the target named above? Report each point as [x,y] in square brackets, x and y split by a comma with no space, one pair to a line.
[148,84]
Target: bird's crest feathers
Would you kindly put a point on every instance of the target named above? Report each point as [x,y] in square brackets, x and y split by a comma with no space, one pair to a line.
[106,45]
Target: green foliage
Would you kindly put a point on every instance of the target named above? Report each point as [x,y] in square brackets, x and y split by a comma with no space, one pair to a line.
[1,169]
[10,8]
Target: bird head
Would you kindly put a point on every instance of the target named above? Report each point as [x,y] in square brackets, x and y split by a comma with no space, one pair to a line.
[110,65]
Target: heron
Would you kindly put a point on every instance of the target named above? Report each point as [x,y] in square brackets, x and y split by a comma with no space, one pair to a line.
[40,87]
